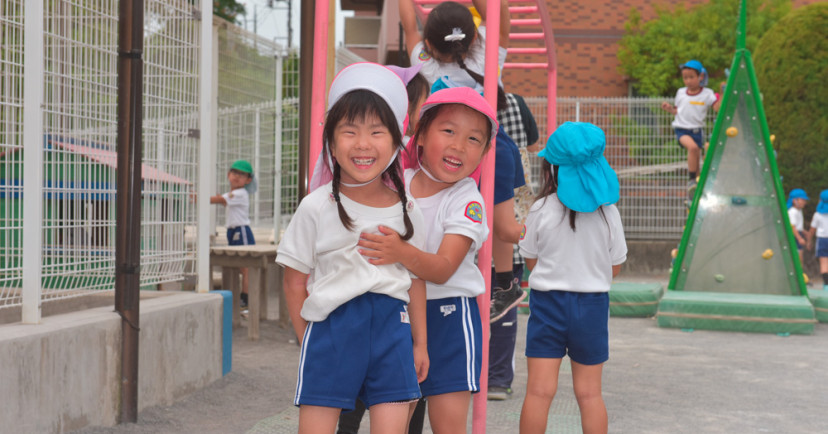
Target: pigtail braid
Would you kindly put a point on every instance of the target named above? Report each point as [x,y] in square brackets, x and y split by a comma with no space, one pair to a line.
[343,216]
[394,174]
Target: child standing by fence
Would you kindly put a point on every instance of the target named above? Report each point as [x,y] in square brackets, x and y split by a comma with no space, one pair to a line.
[362,326]
[796,201]
[237,201]
[691,106]
[455,131]
[574,245]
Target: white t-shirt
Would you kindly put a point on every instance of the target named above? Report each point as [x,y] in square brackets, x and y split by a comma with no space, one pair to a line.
[820,222]
[692,109]
[238,208]
[579,261]
[317,243]
[475,60]
[455,210]
[796,218]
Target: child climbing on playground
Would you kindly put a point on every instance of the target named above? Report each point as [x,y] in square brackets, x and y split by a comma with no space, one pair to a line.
[574,245]
[797,199]
[690,110]
[454,133]
[237,202]
[819,227]
[362,326]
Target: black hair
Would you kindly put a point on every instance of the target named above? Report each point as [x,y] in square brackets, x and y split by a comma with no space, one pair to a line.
[416,88]
[357,105]
[447,16]
[239,172]
[549,174]
[428,118]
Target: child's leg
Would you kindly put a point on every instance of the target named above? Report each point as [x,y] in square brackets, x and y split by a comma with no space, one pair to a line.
[448,412]
[541,386]
[693,154]
[390,417]
[586,380]
[315,419]
[823,269]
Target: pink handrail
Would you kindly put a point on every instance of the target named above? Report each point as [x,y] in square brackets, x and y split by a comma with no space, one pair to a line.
[319,79]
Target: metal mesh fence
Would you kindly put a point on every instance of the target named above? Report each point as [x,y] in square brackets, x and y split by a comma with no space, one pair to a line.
[643,150]
[11,143]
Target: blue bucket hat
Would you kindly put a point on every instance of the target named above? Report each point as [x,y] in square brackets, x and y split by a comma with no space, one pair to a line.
[796,193]
[697,66]
[822,207]
[585,179]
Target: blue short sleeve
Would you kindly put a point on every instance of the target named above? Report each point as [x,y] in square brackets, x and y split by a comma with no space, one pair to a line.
[508,168]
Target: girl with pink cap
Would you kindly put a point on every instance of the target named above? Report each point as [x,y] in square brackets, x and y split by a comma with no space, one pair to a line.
[362,326]
[454,132]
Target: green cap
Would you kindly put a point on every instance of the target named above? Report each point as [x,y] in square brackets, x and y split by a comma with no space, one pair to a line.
[242,166]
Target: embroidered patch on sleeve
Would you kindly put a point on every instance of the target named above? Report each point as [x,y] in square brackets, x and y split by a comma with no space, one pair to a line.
[474,212]
[423,56]
[523,233]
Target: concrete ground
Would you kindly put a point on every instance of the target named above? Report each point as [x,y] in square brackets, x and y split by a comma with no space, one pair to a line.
[656,381]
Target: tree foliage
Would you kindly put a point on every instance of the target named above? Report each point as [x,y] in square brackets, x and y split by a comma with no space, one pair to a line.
[791,68]
[651,51]
[228,9]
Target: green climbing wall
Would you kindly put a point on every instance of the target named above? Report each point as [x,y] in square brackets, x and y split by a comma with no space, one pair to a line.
[738,238]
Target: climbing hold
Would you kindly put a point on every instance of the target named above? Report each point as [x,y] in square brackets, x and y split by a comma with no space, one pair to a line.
[719,278]
[805,277]
[773,138]
[767,254]
[674,253]
[738,200]
[732,131]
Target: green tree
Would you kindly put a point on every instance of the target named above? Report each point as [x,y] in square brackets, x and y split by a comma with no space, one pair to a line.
[651,51]
[228,9]
[791,68]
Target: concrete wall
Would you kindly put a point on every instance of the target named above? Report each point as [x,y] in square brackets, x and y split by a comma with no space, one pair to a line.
[63,374]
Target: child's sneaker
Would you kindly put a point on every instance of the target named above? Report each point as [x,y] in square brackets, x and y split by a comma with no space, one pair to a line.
[691,189]
[499,393]
[505,299]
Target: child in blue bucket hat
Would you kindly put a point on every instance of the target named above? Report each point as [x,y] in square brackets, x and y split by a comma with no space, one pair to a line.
[819,227]
[574,245]
[797,199]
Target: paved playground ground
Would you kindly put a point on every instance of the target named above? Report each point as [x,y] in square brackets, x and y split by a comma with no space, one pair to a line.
[656,381]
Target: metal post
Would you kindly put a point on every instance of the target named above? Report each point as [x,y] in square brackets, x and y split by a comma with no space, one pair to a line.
[207,142]
[277,163]
[33,139]
[257,155]
[128,214]
[305,91]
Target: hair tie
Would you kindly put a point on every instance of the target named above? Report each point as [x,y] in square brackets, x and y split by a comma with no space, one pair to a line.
[456,35]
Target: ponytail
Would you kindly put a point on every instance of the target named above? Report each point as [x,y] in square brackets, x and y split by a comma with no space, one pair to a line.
[343,216]
[394,175]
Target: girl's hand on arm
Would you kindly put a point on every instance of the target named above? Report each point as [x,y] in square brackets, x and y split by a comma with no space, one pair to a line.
[296,291]
[417,317]
[408,20]
[431,267]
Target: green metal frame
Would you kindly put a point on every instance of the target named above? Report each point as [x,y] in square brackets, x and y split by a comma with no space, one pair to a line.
[742,68]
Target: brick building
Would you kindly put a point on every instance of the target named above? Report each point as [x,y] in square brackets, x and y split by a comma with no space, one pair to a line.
[586,37]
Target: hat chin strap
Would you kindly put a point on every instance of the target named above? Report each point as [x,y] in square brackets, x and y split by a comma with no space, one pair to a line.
[426,172]
[390,162]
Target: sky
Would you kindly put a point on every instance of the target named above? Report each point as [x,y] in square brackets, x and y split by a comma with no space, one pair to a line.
[272,23]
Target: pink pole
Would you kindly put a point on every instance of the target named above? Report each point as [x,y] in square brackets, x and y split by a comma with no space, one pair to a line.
[320,66]
[484,258]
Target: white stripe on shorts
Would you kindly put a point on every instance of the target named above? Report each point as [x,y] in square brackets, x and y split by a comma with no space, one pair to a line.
[468,334]
[302,363]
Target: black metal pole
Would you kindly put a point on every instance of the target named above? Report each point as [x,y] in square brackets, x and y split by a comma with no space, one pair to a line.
[305,87]
[128,195]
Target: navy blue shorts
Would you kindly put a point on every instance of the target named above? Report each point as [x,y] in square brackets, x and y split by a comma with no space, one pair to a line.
[695,133]
[508,168]
[240,236]
[455,339]
[800,246]
[362,349]
[562,322]
[822,248]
